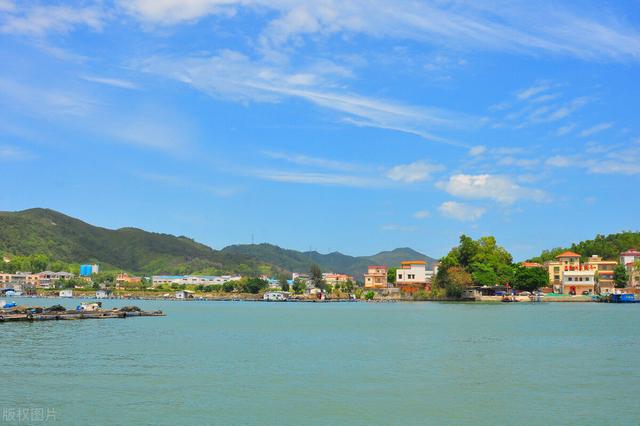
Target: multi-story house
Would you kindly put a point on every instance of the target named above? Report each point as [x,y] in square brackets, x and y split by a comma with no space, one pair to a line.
[604,270]
[629,259]
[564,261]
[412,276]
[333,279]
[376,277]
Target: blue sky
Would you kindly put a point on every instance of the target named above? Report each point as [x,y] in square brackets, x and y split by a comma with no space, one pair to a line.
[355,126]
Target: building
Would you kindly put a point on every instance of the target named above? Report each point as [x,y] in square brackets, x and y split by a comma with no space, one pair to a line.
[334,279]
[275,296]
[184,294]
[25,280]
[157,280]
[557,267]
[531,265]
[88,270]
[124,278]
[412,276]
[578,280]
[66,293]
[376,277]
[48,279]
[103,294]
[629,259]
[604,270]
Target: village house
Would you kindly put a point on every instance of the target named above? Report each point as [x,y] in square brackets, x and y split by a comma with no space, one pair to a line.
[48,279]
[412,276]
[604,270]
[184,294]
[103,294]
[333,279]
[66,293]
[124,278]
[629,260]
[376,277]
[578,279]
[157,280]
[556,268]
[275,296]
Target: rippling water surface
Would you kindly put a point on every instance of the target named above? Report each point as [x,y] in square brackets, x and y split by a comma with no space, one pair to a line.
[334,363]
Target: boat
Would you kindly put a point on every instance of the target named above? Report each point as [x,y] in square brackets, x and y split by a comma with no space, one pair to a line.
[622,298]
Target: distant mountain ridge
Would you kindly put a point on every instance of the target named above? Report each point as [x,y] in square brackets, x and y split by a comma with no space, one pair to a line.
[298,261]
[65,238]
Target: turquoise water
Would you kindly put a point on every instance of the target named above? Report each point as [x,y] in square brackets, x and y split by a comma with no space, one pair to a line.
[334,363]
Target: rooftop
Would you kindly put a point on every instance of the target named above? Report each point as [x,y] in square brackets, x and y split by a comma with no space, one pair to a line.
[567,254]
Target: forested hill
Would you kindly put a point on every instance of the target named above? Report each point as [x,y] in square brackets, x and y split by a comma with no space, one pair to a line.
[63,238]
[298,261]
[609,246]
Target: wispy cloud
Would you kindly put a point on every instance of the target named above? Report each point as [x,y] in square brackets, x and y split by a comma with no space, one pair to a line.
[418,171]
[461,211]
[115,82]
[306,160]
[12,153]
[621,160]
[398,228]
[422,214]
[39,20]
[234,76]
[595,129]
[312,178]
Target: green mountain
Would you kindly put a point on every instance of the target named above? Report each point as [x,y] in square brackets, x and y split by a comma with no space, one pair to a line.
[297,261]
[63,238]
[43,231]
[609,246]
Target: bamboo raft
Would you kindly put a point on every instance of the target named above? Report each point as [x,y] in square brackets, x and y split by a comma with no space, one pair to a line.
[31,314]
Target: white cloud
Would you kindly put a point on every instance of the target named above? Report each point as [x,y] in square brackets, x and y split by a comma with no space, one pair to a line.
[317,178]
[532,91]
[461,211]
[418,171]
[560,161]
[422,214]
[516,27]
[306,160]
[567,109]
[499,188]
[477,150]
[40,20]
[115,82]
[232,75]
[595,129]
[565,130]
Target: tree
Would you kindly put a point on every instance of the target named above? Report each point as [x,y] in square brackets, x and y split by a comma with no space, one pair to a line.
[284,284]
[316,276]
[228,287]
[530,279]
[369,295]
[391,275]
[457,280]
[483,274]
[348,286]
[254,285]
[299,286]
[620,276]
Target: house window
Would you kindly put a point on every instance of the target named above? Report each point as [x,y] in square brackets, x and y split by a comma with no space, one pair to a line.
[399,276]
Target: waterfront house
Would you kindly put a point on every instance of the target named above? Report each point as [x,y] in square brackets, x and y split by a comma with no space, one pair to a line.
[556,268]
[376,277]
[157,280]
[66,293]
[629,260]
[334,279]
[124,278]
[184,294]
[412,276]
[48,279]
[578,279]
[275,296]
[604,270]
[103,294]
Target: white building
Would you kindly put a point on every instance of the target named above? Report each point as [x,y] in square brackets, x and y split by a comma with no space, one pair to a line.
[276,296]
[103,294]
[66,293]
[578,281]
[157,280]
[412,275]
[184,294]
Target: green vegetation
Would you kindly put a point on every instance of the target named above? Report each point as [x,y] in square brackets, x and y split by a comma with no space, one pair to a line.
[37,263]
[369,295]
[608,247]
[299,286]
[530,279]
[474,262]
[620,276]
[316,277]
[391,275]
[65,239]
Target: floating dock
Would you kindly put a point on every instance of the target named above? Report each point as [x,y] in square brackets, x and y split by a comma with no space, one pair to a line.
[39,314]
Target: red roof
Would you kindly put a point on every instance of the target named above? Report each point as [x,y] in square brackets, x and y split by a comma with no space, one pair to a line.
[531,265]
[413,262]
[630,252]
[567,254]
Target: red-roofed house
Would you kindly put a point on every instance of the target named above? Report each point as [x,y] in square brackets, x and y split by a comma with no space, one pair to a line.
[412,276]
[631,259]
[564,261]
